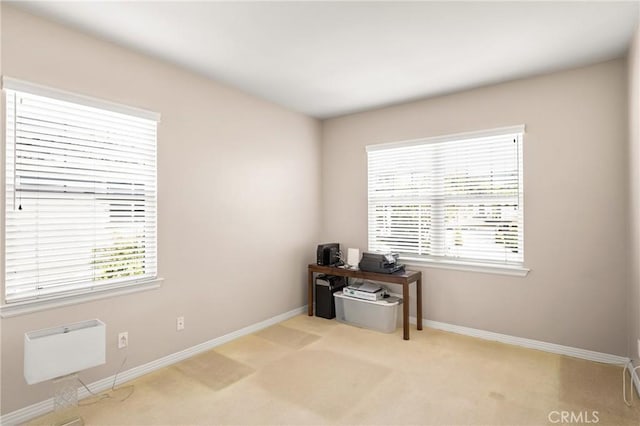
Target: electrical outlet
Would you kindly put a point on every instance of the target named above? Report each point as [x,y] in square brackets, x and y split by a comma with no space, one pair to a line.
[179,323]
[123,339]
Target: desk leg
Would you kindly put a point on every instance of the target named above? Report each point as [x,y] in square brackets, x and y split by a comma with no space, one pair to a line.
[405,311]
[419,303]
[310,290]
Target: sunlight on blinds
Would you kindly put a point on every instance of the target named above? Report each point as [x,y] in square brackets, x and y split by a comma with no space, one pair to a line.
[80,197]
[458,199]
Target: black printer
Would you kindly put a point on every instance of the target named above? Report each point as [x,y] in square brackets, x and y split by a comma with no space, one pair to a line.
[380,263]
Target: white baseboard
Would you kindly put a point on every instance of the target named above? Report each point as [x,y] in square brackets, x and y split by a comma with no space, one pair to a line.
[527,343]
[40,408]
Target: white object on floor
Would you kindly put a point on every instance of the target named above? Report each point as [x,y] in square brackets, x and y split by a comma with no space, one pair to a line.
[381,315]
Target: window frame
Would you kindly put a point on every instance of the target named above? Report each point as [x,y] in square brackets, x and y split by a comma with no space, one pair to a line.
[443,262]
[20,306]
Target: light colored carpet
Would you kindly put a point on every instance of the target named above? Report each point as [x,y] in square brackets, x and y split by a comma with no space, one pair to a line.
[313,371]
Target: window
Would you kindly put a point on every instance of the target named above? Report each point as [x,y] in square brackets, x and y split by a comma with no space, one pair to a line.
[449,199]
[80,194]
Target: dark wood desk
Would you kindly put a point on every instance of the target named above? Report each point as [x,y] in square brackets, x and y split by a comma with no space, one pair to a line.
[403,279]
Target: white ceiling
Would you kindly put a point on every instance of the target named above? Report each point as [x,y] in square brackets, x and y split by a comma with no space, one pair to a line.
[331,58]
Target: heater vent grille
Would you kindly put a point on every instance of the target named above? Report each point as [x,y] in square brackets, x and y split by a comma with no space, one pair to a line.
[62,350]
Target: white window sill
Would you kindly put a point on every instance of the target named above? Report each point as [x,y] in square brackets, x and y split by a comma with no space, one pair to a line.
[36,305]
[486,268]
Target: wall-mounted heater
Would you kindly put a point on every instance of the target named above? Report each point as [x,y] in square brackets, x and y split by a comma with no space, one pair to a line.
[59,351]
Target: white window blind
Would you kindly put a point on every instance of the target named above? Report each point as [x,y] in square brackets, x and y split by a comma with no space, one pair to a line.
[80,196]
[454,198]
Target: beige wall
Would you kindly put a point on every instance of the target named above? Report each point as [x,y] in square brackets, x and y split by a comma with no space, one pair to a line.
[231,215]
[239,201]
[576,183]
[634,196]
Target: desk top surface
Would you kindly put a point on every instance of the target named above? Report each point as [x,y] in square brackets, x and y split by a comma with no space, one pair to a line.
[398,277]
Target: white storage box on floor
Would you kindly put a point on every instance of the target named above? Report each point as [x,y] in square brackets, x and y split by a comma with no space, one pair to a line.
[381,315]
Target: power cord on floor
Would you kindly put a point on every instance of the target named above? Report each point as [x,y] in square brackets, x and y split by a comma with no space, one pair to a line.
[110,394]
[632,371]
